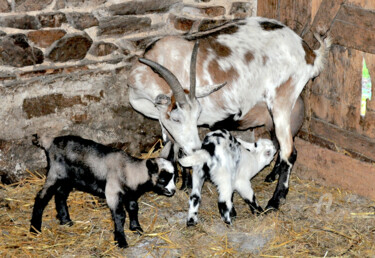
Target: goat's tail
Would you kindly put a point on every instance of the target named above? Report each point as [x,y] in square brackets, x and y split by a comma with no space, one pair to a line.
[321,53]
[43,141]
[197,158]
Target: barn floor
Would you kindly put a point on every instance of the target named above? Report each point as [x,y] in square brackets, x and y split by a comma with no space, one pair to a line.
[307,225]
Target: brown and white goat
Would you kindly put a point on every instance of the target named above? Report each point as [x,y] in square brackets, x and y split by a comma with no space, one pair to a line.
[265,65]
[74,162]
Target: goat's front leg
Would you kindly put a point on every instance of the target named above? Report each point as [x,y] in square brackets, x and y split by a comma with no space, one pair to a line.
[185,173]
[114,200]
[195,195]
[288,156]
[131,206]
[61,196]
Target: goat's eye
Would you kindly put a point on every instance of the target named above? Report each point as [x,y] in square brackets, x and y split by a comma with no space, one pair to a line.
[175,119]
[161,181]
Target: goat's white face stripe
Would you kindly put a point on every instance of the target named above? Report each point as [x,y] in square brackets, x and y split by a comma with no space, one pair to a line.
[171,187]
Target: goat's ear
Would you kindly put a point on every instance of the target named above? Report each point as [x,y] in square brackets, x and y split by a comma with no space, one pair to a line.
[208,89]
[162,100]
[197,158]
[152,167]
[166,151]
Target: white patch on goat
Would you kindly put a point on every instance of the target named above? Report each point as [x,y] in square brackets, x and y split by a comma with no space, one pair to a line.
[112,190]
[99,166]
[136,174]
[165,164]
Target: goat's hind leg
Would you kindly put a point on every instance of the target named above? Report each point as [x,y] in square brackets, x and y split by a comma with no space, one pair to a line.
[41,201]
[115,204]
[61,196]
[225,203]
[247,193]
[275,171]
[288,155]
[198,178]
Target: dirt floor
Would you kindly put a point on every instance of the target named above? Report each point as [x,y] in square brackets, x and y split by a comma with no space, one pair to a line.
[315,221]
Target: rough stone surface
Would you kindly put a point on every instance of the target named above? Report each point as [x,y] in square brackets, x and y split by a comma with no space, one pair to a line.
[24,22]
[15,51]
[16,156]
[59,4]
[210,12]
[83,3]
[52,19]
[241,9]
[31,5]
[44,38]
[4,6]
[70,47]
[119,25]
[93,105]
[102,48]
[181,23]
[209,24]
[142,7]
[82,21]
[48,104]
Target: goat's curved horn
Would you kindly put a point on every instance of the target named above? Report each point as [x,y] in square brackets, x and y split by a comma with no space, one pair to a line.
[169,77]
[193,71]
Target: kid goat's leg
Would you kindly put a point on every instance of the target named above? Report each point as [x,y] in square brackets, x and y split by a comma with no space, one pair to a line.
[195,196]
[247,193]
[61,196]
[114,200]
[131,206]
[41,201]
[225,204]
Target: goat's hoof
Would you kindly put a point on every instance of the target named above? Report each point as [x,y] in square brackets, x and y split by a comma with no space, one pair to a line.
[137,230]
[270,178]
[122,244]
[258,211]
[191,222]
[270,208]
[35,230]
[228,222]
[66,222]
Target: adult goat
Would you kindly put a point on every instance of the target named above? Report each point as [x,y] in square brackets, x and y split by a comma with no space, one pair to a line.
[265,65]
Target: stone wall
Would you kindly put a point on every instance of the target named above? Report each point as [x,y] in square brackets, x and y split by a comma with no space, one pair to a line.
[63,67]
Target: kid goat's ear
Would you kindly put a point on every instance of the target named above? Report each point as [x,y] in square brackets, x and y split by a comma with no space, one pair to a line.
[152,167]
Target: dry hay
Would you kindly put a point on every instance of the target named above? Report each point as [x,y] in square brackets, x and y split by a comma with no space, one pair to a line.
[303,226]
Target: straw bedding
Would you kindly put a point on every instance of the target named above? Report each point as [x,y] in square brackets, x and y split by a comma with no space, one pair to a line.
[307,225]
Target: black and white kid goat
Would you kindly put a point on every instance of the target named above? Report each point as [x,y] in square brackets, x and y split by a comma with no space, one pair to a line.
[74,162]
[230,163]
